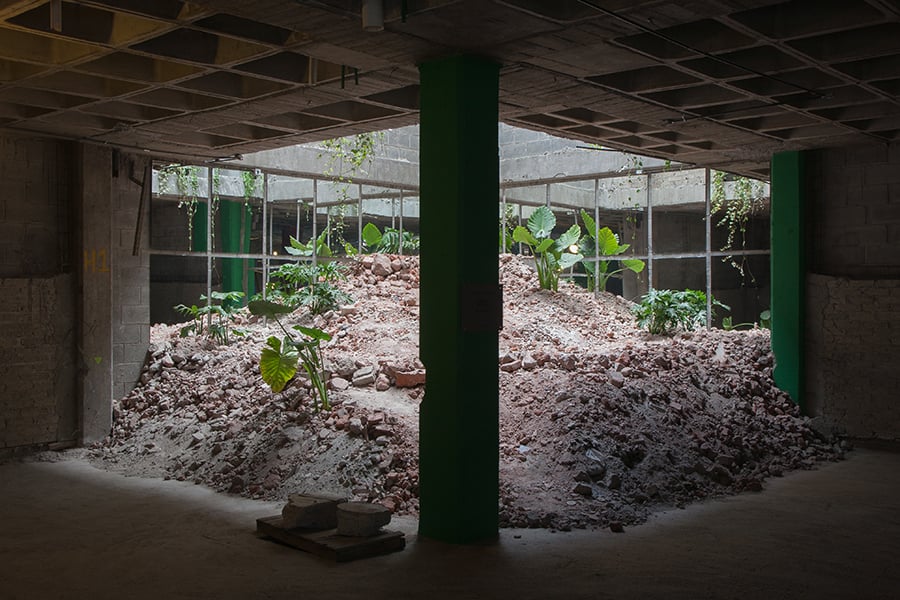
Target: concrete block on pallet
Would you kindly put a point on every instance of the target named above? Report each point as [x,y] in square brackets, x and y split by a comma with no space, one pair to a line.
[361,519]
[311,512]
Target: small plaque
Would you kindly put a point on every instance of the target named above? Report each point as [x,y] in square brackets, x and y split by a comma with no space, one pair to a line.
[481,307]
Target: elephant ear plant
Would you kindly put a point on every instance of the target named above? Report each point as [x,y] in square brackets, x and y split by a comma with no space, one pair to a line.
[551,256]
[606,244]
[280,358]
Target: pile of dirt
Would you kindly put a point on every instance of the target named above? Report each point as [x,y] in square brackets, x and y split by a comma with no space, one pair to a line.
[600,423]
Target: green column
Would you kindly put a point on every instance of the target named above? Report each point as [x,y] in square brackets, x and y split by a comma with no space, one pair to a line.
[788,247]
[459,416]
[198,228]
[235,220]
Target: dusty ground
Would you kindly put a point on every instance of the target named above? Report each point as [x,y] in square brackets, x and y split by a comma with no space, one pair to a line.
[601,423]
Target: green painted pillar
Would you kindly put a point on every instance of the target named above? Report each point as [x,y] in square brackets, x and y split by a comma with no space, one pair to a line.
[788,247]
[198,228]
[460,304]
[235,220]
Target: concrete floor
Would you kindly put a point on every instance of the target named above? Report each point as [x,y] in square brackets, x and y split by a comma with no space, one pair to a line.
[69,531]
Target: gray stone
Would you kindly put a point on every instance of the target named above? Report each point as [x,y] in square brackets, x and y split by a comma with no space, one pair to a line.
[339,384]
[363,376]
[615,378]
[361,519]
[311,512]
[381,265]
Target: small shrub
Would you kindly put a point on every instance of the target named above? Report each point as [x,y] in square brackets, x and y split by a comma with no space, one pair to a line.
[390,241]
[606,244]
[551,256]
[662,312]
[312,286]
[221,308]
[280,358]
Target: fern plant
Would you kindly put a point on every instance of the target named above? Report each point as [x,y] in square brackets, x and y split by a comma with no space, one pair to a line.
[662,312]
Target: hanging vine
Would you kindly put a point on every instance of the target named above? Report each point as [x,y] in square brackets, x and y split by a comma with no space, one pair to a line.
[345,157]
[746,202]
[187,186]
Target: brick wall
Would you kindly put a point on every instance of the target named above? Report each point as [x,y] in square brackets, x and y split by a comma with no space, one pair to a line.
[853,289]
[853,354]
[37,371]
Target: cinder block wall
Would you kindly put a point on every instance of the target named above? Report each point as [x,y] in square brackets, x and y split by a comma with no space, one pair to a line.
[131,275]
[853,289]
[37,333]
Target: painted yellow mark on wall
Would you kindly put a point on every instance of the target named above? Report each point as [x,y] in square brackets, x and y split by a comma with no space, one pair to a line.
[96,261]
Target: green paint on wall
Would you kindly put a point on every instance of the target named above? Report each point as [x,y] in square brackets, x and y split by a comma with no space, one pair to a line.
[788,247]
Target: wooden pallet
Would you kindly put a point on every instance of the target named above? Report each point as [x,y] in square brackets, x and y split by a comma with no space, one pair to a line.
[328,544]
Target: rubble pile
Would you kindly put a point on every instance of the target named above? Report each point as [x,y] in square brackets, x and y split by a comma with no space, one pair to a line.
[601,423]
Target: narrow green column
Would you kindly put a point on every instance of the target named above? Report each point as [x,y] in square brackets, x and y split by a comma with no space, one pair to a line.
[788,247]
[460,307]
[235,219]
[198,228]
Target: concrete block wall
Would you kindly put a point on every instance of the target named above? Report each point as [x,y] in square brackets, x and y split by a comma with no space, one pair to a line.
[37,334]
[131,276]
[34,216]
[855,211]
[853,288]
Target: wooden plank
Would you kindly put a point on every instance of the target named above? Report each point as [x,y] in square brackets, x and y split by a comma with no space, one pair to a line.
[328,544]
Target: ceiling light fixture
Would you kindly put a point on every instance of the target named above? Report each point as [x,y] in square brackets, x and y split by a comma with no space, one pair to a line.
[373,15]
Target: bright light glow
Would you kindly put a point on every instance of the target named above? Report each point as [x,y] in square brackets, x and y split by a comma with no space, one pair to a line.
[573,248]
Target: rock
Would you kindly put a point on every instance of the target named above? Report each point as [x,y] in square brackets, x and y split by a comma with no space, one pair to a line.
[408,379]
[616,527]
[339,384]
[615,378]
[529,362]
[511,366]
[361,519]
[382,383]
[364,376]
[311,512]
[381,265]
[355,426]
[583,489]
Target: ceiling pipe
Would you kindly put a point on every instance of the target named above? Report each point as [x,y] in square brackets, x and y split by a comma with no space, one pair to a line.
[373,15]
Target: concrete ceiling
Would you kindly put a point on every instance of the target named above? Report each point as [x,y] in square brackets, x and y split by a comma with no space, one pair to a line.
[720,83]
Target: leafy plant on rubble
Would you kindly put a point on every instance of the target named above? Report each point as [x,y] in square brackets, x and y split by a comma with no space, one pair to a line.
[551,256]
[603,242]
[281,357]
[218,311]
[309,285]
[663,312]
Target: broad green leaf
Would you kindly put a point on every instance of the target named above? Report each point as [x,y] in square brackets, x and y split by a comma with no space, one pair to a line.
[278,363]
[316,334]
[298,248]
[633,264]
[350,249]
[371,236]
[541,222]
[543,246]
[569,238]
[523,236]
[264,308]
[589,223]
[568,259]
[607,242]
[589,267]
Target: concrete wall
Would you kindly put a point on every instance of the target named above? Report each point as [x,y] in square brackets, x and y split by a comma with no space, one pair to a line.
[37,337]
[853,289]
[74,325]
[130,275]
